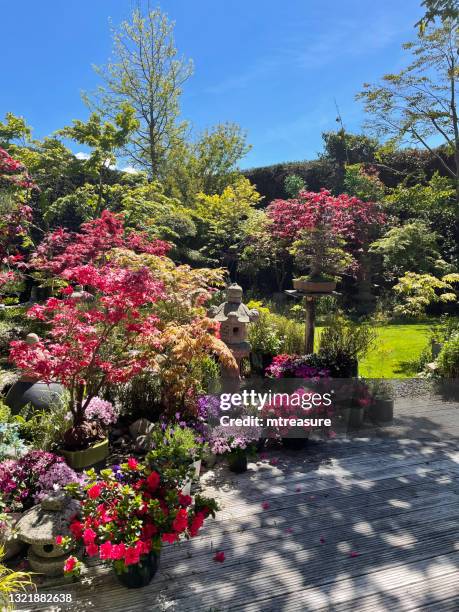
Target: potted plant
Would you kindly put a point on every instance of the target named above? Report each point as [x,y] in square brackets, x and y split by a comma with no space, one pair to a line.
[234,443]
[264,338]
[11,582]
[320,251]
[128,512]
[381,409]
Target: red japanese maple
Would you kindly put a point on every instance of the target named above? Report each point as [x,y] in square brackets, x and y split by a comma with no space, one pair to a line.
[92,343]
[344,215]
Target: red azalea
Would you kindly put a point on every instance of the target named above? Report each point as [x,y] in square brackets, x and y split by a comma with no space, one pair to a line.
[77,529]
[118,551]
[94,491]
[149,530]
[92,550]
[153,481]
[89,535]
[196,524]
[219,556]
[70,564]
[106,550]
[132,463]
[265,505]
[59,539]
[170,537]
[180,522]
[184,500]
[143,546]
[132,556]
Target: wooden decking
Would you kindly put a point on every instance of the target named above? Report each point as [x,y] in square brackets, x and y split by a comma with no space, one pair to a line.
[391,501]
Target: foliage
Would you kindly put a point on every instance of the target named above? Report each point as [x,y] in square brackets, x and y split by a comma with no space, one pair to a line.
[12,445]
[232,440]
[23,482]
[363,183]
[342,343]
[130,510]
[418,291]
[445,9]
[11,581]
[419,102]
[293,184]
[298,366]
[147,74]
[412,246]
[345,148]
[174,446]
[448,359]
[263,336]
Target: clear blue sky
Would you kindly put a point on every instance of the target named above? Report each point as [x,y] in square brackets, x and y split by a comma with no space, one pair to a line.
[273,66]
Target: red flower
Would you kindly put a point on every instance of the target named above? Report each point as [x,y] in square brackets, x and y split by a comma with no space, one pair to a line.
[106,550]
[77,529]
[196,524]
[180,523]
[219,556]
[153,481]
[143,546]
[94,491]
[118,551]
[59,539]
[149,530]
[184,500]
[170,537]
[92,550]
[70,564]
[322,540]
[265,505]
[132,556]
[354,554]
[89,535]
[132,463]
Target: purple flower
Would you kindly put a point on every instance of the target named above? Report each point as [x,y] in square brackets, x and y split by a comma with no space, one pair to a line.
[101,410]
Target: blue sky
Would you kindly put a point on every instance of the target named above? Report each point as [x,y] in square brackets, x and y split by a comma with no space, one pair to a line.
[273,66]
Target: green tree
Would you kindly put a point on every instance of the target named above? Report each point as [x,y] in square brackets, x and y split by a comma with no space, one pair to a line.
[412,246]
[13,128]
[293,184]
[105,139]
[420,102]
[444,9]
[147,74]
[416,292]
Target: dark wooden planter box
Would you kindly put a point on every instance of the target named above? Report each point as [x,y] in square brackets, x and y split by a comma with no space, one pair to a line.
[307,286]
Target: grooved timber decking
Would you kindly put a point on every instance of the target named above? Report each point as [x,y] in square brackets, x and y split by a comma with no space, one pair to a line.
[394,501]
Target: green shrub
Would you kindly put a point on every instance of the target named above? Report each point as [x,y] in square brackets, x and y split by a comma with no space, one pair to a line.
[448,359]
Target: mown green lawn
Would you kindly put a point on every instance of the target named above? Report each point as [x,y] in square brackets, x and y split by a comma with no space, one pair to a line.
[397,350]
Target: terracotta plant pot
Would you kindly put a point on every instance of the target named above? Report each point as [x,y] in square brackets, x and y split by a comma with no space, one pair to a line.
[237,463]
[140,574]
[382,411]
[78,460]
[308,286]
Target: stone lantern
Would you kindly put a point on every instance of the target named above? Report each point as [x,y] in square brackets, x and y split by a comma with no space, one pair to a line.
[40,526]
[30,390]
[80,295]
[234,318]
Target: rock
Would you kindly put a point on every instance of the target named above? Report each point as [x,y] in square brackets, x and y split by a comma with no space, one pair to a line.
[141,427]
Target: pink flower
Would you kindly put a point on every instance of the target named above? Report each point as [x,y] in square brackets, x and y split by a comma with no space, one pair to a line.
[153,481]
[180,522]
[94,491]
[170,537]
[297,489]
[354,554]
[89,535]
[132,556]
[92,550]
[274,461]
[105,551]
[219,556]
[265,505]
[118,551]
[70,564]
[59,540]
[289,530]
[184,500]
[322,540]
[132,463]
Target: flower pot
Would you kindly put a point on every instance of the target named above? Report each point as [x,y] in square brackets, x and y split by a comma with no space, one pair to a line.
[210,459]
[309,286]
[237,463]
[294,443]
[38,393]
[197,470]
[78,460]
[356,415]
[382,410]
[140,574]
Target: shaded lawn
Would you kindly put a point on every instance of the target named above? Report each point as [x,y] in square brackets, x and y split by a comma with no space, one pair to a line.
[397,350]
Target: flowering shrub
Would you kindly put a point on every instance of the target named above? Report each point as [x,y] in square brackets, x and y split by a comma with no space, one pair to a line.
[297,366]
[129,511]
[226,440]
[100,410]
[24,482]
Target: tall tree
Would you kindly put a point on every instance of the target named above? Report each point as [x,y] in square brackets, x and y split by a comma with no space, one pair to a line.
[419,104]
[444,9]
[146,73]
